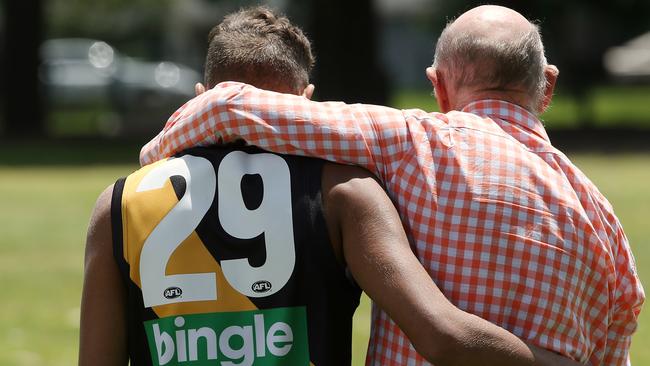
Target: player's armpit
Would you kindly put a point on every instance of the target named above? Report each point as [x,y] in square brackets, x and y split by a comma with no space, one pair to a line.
[377,253]
[102,338]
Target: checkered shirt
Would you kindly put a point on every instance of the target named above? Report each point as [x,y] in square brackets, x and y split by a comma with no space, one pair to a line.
[504,223]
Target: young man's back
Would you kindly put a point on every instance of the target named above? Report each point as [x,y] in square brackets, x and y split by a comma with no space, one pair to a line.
[257,268]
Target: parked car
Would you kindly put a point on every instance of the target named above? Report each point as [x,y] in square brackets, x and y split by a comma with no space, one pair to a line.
[137,96]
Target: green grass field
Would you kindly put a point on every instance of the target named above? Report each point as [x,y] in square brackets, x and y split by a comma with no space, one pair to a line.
[44,211]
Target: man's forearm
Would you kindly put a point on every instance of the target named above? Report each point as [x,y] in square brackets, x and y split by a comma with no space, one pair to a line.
[479,342]
[460,338]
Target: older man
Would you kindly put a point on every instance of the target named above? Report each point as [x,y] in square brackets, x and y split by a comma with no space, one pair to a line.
[504,223]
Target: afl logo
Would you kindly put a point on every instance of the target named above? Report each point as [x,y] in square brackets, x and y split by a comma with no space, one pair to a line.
[172,292]
[261,286]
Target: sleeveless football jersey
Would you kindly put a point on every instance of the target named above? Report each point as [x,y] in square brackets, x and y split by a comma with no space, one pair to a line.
[227,260]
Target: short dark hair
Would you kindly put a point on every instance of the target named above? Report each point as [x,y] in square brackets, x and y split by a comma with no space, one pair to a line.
[258,47]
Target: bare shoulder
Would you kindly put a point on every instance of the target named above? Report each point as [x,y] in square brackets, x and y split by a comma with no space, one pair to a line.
[350,191]
[347,192]
[345,182]
[103,203]
[103,301]
[99,228]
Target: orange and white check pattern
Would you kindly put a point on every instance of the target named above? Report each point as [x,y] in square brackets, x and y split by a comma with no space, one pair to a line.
[505,224]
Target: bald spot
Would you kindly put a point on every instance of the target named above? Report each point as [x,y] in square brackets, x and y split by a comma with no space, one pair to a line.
[491,22]
[492,52]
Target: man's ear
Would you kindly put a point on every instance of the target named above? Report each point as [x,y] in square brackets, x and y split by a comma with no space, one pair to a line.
[550,74]
[199,89]
[309,91]
[439,87]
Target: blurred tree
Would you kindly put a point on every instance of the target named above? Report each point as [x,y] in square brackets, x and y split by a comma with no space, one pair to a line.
[344,37]
[576,35]
[23,32]
[135,27]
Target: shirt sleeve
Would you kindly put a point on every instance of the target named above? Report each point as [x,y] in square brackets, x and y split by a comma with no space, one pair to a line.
[627,306]
[365,135]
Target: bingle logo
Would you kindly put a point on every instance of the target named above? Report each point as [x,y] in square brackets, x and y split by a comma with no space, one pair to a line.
[172,292]
[261,286]
[218,339]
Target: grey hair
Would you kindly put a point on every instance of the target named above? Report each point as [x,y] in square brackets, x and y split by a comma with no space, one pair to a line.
[472,60]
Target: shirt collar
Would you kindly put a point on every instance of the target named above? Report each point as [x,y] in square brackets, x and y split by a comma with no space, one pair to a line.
[508,112]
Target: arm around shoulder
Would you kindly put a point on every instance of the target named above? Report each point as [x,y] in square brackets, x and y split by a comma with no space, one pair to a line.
[283,123]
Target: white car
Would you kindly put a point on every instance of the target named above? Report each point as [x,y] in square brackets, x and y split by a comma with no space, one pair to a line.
[79,73]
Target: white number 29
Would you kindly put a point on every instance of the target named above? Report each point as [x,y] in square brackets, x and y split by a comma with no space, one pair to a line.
[273,218]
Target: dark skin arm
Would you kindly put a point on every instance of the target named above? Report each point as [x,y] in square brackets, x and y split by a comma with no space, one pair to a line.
[367,234]
[102,338]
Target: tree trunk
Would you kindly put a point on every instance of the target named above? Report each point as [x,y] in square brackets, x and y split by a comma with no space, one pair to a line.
[344,35]
[23,27]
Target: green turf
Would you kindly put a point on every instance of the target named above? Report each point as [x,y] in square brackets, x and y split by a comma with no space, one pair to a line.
[44,211]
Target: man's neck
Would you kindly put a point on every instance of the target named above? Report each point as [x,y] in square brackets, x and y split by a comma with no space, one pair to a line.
[512,96]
